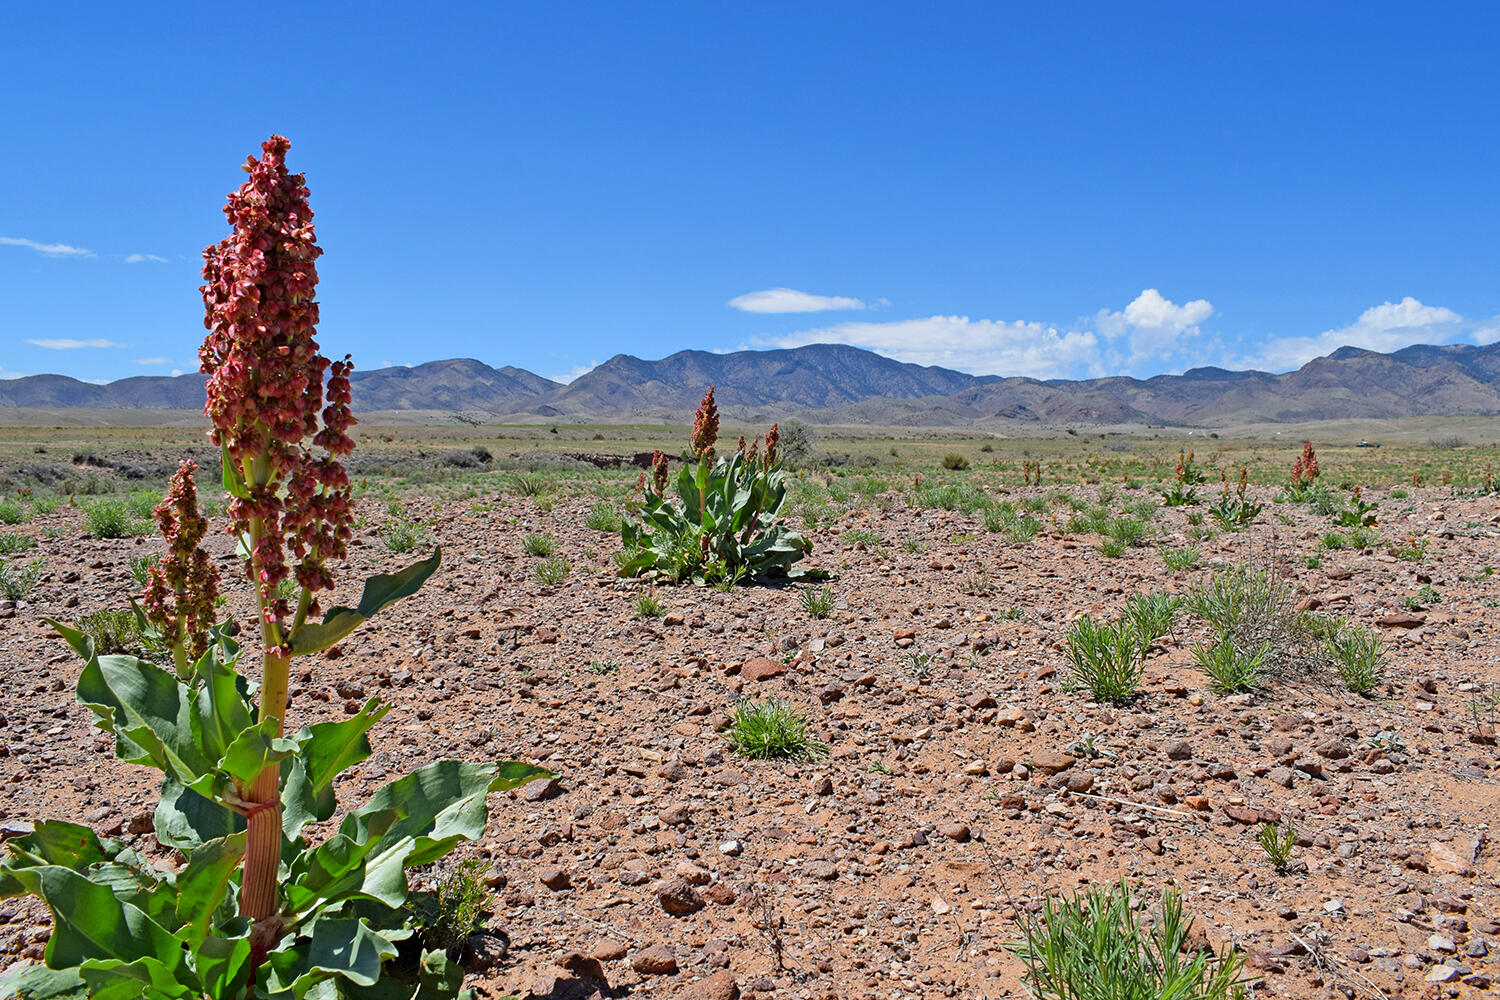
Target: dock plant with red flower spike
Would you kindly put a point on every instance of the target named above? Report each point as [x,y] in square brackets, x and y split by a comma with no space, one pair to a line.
[257,910]
[722,526]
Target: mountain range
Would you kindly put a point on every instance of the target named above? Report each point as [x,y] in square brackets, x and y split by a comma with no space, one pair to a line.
[831,383]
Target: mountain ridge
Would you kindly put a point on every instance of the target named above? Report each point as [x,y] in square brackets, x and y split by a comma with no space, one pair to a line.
[835,383]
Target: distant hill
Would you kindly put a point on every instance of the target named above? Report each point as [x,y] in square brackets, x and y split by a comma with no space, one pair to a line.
[838,384]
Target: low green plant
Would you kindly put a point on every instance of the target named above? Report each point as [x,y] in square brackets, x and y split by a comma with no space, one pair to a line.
[1127,530]
[724,521]
[1180,559]
[529,484]
[552,570]
[1152,614]
[17,582]
[1233,511]
[12,512]
[141,566]
[955,462]
[1179,494]
[1359,513]
[539,544]
[455,908]
[1231,670]
[648,605]
[403,535]
[818,603]
[868,537]
[771,730]
[918,664]
[1277,841]
[1108,659]
[1358,654]
[1399,493]
[1093,945]
[1112,548]
[13,543]
[604,668]
[1022,530]
[112,519]
[1415,550]
[603,517]
[121,631]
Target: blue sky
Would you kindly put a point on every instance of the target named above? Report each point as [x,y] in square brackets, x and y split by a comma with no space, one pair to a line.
[1055,190]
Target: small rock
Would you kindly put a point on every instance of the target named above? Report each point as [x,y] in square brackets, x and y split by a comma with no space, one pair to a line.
[483,950]
[954,831]
[719,986]
[656,960]
[555,879]
[679,898]
[1052,761]
[762,668]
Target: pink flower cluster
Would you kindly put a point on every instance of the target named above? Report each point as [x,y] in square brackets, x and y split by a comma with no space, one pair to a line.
[1305,468]
[266,385]
[705,427]
[179,597]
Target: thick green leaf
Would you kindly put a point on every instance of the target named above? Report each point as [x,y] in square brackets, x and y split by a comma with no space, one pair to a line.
[223,708]
[142,979]
[185,820]
[254,750]
[221,962]
[90,922]
[37,982]
[440,978]
[327,749]
[380,591]
[335,946]
[203,883]
[513,774]
[150,712]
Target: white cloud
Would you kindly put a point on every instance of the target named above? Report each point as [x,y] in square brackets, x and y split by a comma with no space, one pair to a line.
[46,249]
[789,300]
[63,344]
[574,373]
[981,346]
[1387,327]
[1155,325]
[153,361]
[145,258]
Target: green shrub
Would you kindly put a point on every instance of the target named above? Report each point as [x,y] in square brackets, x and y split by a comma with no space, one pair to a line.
[119,632]
[818,603]
[648,605]
[1257,615]
[771,730]
[1152,614]
[722,525]
[12,512]
[552,570]
[403,535]
[603,517]
[1093,946]
[1229,669]
[17,583]
[1127,530]
[529,485]
[142,503]
[141,566]
[112,519]
[456,907]
[1358,654]
[1180,559]
[955,462]
[539,545]
[1108,659]
[43,505]
[12,543]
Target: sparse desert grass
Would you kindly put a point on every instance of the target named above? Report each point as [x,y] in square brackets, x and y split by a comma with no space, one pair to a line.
[603,517]
[648,605]
[1180,559]
[1108,659]
[1358,654]
[403,535]
[113,519]
[771,729]
[12,543]
[1277,841]
[539,544]
[1152,614]
[552,570]
[12,512]
[456,907]
[17,580]
[1231,670]
[818,603]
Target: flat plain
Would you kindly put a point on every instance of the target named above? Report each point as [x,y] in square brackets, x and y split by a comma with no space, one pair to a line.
[968,774]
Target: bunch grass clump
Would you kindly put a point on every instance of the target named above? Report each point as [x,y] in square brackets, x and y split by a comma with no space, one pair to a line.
[771,730]
[18,581]
[818,603]
[1359,657]
[110,518]
[1094,945]
[1108,659]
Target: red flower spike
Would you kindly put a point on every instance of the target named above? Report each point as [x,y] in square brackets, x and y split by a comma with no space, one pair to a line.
[705,427]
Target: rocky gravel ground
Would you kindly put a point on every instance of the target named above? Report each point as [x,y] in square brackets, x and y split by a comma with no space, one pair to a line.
[965,779]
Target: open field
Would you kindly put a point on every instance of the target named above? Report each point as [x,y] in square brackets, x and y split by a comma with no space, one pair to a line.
[967,770]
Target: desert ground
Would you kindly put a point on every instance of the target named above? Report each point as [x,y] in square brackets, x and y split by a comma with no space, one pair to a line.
[967,775]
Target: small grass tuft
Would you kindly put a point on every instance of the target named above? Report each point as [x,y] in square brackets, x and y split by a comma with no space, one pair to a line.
[818,603]
[648,605]
[552,570]
[1108,659]
[771,730]
[539,544]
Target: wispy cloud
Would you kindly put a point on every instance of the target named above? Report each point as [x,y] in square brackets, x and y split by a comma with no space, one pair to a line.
[981,346]
[64,344]
[574,373]
[789,300]
[1387,327]
[145,258]
[155,362]
[46,249]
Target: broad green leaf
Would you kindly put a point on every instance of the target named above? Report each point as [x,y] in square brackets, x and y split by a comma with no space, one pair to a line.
[221,963]
[439,978]
[326,750]
[37,982]
[150,712]
[202,884]
[380,591]
[185,820]
[89,922]
[255,749]
[334,946]
[142,979]
[223,708]
[513,774]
